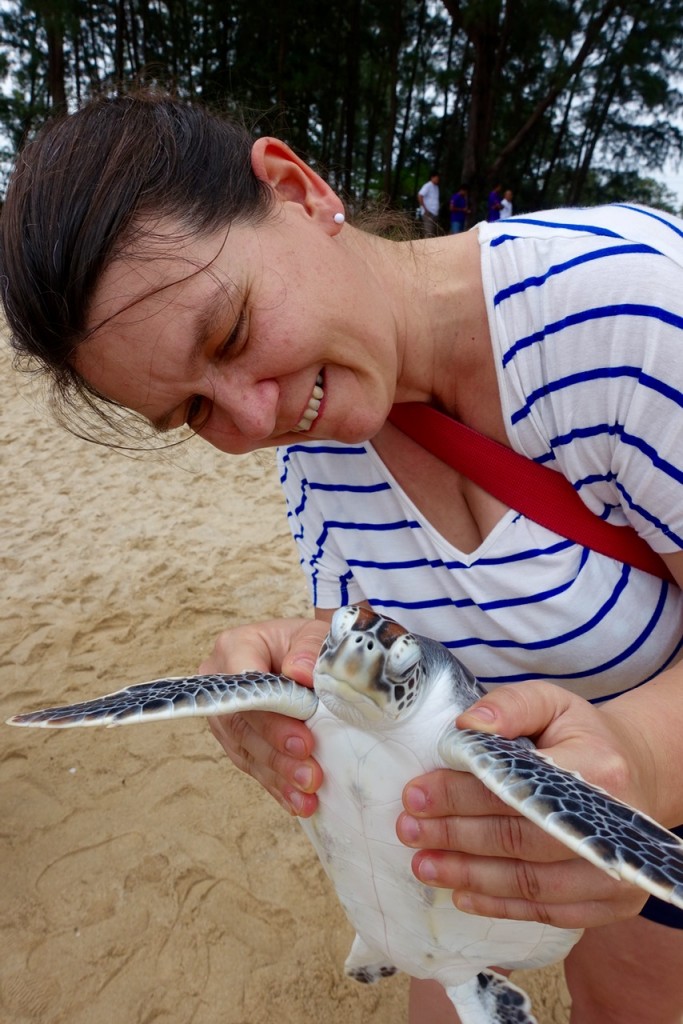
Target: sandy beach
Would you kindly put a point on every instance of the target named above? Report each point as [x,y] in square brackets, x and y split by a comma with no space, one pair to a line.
[145,880]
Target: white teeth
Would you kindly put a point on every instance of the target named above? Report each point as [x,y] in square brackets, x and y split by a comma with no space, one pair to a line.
[311,411]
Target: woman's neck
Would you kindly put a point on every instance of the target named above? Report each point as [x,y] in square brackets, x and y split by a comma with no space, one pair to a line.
[444,345]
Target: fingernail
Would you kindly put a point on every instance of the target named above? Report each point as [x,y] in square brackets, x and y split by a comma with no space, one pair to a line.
[415,799]
[303,776]
[484,712]
[305,660]
[427,870]
[464,902]
[295,746]
[296,800]
[409,828]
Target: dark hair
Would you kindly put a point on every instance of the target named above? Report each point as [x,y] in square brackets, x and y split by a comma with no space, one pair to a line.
[82,190]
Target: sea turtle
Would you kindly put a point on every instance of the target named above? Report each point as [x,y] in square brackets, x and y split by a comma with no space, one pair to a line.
[382,712]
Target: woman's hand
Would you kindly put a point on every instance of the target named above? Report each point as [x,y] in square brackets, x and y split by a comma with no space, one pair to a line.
[272,748]
[498,863]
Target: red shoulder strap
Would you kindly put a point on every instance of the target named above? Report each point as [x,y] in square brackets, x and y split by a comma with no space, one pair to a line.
[537,491]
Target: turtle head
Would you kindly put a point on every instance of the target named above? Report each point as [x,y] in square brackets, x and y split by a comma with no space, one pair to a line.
[369,667]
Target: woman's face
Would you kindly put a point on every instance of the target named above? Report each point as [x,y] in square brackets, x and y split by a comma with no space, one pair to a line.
[243,335]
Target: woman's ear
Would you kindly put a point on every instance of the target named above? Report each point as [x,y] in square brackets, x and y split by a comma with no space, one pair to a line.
[293,180]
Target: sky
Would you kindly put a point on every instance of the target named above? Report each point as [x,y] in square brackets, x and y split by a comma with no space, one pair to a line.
[673,179]
[672,172]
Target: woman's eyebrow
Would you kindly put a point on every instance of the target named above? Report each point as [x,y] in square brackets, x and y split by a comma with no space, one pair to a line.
[203,324]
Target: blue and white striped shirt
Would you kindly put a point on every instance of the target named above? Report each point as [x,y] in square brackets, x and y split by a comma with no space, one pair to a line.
[585,312]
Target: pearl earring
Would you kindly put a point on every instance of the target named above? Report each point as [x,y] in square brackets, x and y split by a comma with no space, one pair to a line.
[339,218]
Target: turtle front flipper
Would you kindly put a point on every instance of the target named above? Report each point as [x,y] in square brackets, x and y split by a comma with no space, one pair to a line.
[182,697]
[490,998]
[624,842]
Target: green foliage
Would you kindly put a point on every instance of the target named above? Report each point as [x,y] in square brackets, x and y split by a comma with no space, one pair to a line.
[539,94]
[608,186]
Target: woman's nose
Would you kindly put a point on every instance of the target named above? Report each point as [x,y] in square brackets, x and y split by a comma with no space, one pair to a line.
[242,414]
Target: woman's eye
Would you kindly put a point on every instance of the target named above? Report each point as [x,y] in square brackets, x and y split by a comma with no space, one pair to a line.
[233,337]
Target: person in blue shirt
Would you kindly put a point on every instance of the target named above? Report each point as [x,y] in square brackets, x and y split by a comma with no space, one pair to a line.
[459,208]
[494,203]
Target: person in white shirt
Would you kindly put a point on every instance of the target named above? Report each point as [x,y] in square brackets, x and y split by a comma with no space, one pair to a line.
[429,199]
[506,205]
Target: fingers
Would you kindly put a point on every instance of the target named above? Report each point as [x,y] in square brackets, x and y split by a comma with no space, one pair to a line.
[276,751]
[502,835]
[273,749]
[526,710]
[497,863]
[277,645]
[447,792]
[304,649]
[575,735]
[453,811]
[566,894]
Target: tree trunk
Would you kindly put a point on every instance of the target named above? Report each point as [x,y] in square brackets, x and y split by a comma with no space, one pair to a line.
[54,31]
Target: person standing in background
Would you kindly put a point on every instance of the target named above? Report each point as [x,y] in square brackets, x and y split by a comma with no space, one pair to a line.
[459,207]
[428,197]
[494,203]
[506,204]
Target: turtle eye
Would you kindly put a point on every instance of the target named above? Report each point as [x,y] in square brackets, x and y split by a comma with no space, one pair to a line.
[403,656]
[342,622]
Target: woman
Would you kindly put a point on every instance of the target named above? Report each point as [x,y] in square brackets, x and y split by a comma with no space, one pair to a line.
[155,259]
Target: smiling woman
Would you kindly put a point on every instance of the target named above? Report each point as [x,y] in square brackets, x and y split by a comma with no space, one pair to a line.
[112,173]
[156,259]
[168,265]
